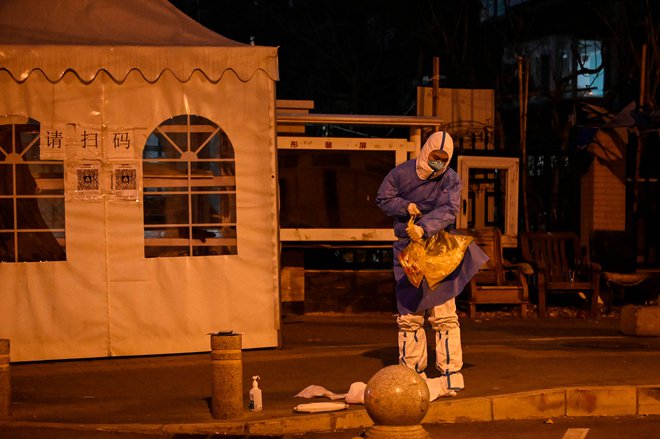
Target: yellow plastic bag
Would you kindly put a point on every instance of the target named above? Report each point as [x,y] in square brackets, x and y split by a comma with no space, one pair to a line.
[444,253]
[434,258]
[413,260]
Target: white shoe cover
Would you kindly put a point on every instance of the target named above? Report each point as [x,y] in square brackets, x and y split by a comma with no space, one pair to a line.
[455,381]
[437,387]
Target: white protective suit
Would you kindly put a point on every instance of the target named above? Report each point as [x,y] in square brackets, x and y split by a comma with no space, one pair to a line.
[437,195]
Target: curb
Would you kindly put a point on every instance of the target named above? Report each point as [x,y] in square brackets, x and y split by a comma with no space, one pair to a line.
[639,400]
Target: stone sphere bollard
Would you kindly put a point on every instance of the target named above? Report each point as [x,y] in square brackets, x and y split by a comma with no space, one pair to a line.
[397,399]
[5,382]
[227,380]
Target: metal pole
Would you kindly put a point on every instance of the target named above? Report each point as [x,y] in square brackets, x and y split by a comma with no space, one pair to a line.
[639,144]
[227,380]
[436,85]
[523,84]
[5,383]
[642,78]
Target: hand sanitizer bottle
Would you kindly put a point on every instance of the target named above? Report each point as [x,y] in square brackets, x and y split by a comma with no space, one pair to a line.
[255,396]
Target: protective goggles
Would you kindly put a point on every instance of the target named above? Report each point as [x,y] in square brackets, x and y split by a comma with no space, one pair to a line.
[437,165]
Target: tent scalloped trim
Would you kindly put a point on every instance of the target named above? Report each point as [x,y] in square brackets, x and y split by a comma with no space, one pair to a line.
[151,62]
[54,79]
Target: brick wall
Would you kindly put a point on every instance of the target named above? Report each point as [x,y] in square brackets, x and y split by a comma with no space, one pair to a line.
[603,198]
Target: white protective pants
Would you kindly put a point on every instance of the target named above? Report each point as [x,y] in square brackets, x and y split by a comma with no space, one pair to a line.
[413,347]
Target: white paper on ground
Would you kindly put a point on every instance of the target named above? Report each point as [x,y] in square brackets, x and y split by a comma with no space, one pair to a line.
[315,407]
[355,393]
[313,390]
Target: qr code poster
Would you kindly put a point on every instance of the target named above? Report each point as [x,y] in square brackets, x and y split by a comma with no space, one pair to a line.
[87,179]
[125,179]
[87,182]
[124,182]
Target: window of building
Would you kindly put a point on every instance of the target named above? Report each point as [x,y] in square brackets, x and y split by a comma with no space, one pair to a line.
[497,8]
[489,195]
[189,182]
[332,189]
[591,58]
[561,61]
[31,196]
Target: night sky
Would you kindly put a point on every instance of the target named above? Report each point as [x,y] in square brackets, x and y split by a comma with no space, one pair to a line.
[364,57]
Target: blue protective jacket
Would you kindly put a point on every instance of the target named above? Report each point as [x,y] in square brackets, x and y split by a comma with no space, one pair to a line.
[438,198]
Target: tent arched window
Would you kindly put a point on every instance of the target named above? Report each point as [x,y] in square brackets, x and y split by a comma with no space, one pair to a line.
[189,183]
[31,196]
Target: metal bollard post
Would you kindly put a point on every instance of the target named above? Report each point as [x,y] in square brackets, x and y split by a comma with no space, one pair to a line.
[5,383]
[227,381]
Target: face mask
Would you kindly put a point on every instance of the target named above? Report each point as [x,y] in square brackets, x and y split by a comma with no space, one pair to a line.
[437,165]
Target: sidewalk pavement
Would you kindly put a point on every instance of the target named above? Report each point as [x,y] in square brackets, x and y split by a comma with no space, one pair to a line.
[514,369]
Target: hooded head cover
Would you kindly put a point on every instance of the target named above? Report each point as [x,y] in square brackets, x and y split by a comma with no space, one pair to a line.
[439,140]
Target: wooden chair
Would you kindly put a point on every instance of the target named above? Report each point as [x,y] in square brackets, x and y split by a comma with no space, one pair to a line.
[559,267]
[496,282]
[614,252]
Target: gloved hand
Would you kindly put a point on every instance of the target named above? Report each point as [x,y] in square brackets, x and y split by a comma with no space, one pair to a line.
[415,232]
[413,210]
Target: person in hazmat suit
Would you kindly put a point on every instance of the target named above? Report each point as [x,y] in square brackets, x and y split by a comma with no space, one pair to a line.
[428,190]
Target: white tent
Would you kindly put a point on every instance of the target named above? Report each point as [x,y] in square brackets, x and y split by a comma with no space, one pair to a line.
[109,84]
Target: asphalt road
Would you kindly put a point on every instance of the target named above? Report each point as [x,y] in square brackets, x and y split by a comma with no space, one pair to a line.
[632,427]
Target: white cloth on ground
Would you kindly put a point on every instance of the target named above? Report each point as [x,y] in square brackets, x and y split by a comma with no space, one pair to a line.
[437,388]
[313,390]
